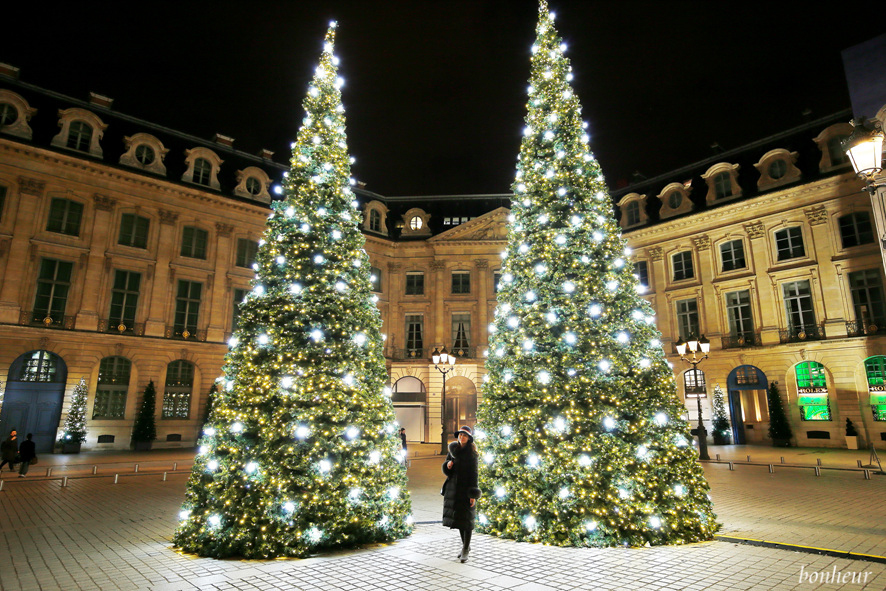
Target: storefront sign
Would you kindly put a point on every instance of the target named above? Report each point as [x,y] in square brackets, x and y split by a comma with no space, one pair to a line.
[813,390]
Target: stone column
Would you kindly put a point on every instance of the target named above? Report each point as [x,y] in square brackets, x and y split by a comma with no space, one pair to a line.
[395,319]
[711,319]
[220,301]
[17,249]
[158,315]
[482,331]
[828,280]
[439,268]
[95,277]
[766,311]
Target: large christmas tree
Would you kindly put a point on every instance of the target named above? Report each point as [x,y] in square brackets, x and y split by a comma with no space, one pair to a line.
[300,451]
[582,441]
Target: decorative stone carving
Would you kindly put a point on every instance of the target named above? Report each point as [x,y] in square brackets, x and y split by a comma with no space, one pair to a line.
[168,217]
[656,253]
[394,266]
[755,230]
[44,342]
[438,265]
[481,263]
[118,349]
[224,229]
[816,215]
[702,242]
[27,186]
[104,203]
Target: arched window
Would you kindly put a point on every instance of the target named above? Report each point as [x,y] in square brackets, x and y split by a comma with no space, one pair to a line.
[177,394]
[632,213]
[812,391]
[202,171]
[723,185]
[113,384]
[40,366]
[694,384]
[374,220]
[80,136]
[875,368]
[409,389]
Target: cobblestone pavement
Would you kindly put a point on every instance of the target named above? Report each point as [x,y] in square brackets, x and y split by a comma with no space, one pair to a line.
[97,535]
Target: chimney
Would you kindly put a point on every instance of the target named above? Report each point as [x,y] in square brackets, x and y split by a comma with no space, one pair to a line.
[223,140]
[100,101]
[265,154]
[9,71]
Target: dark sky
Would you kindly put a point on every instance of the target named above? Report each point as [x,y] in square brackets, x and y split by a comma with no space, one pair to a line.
[435,89]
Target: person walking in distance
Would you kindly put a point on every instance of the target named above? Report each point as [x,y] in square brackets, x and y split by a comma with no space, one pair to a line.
[28,452]
[8,451]
[403,439]
[461,489]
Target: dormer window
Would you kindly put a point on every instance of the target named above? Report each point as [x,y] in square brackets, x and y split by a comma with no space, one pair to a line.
[777,168]
[675,199]
[722,181]
[374,220]
[81,130]
[144,151]
[253,183]
[374,217]
[253,186]
[830,142]
[416,223]
[633,210]
[15,114]
[203,166]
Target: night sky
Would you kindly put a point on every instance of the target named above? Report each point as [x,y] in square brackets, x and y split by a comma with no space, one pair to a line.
[435,90]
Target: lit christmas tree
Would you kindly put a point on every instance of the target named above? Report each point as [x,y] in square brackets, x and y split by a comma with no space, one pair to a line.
[300,451]
[582,441]
[74,430]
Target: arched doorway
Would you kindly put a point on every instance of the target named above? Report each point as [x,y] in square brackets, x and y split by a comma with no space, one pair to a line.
[34,395]
[410,406]
[748,406]
[461,404]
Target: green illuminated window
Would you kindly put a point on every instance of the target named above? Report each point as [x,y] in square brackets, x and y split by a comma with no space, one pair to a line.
[813,396]
[875,368]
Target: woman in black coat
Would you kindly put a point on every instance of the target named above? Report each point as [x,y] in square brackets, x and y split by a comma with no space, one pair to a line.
[461,490]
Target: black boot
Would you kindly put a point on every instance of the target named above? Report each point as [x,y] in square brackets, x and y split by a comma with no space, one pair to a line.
[464,553]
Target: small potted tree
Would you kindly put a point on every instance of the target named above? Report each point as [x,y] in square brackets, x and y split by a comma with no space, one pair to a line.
[74,430]
[851,435]
[144,431]
[779,427]
[721,420]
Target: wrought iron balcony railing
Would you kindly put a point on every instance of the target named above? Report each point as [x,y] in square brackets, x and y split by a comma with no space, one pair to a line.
[797,334]
[409,354]
[121,327]
[744,339]
[185,333]
[48,320]
[860,328]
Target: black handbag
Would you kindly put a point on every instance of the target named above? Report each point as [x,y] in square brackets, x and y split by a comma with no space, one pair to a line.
[34,461]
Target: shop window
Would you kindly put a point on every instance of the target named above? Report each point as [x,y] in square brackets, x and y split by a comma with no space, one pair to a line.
[812,392]
[113,384]
[177,393]
[875,368]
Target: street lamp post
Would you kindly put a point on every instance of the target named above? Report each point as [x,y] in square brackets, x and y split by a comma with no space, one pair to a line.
[703,345]
[864,147]
[444,363]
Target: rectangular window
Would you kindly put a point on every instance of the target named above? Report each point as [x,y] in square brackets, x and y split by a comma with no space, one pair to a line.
[461,333]
[855,229]
[239,296]
[375,278]
[124,300]
[246,251]
[867,297]
[496,279]
[687,319]
[732,255]
[682,262]
[414,336]
[64,217]
[415,283]
[113,382]
[134,230]
[177,394]
[187,307]
[461,282]
[641,270]
[53,284]
[738,312]
[798,306]
[789,243]
[194,242]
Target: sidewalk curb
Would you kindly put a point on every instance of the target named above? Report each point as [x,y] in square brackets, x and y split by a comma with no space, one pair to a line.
[805,549]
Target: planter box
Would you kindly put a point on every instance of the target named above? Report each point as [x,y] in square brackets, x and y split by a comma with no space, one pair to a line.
[71,447]
[143,445]
[781,442]
[721,438]
[851,442]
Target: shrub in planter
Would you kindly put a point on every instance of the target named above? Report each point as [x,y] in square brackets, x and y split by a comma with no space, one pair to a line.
[144,431]
[851,435]
[779,427]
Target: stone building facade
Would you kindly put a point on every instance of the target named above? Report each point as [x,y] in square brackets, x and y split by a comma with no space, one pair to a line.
[125,247]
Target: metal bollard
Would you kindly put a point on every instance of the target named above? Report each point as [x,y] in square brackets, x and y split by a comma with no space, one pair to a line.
[164,477]
[1,484]
[771,469]
[818,461]
[732,466]
[718,457]
[867,476]
[136,467]
[782,459]
[49,471]
[64,481]
[817,471]
[749,458]
[94,470]
[116,476]
[174,466]
[859,463]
